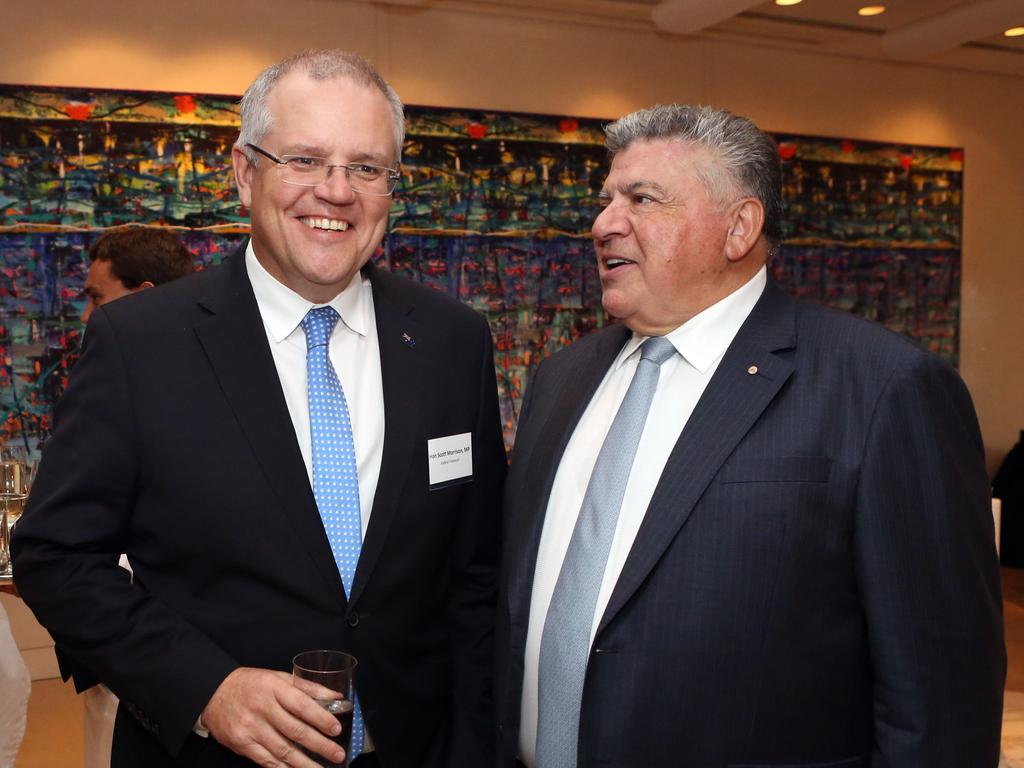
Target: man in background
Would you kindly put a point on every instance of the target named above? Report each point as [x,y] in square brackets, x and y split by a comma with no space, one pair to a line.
[740,529]
[125,261]
[298,451]
[122,262]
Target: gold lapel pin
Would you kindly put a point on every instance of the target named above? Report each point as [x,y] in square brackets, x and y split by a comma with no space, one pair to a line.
[752,370]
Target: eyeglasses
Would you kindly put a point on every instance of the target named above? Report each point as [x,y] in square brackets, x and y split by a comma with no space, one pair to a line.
[305,171]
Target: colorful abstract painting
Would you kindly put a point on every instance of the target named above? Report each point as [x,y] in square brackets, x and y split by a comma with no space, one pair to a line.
[493,208]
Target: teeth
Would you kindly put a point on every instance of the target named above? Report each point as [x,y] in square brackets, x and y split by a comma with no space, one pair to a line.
[335,225]
[616,262]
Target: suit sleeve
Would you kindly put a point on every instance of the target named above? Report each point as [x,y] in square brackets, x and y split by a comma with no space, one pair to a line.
[66,547]
[476,552]
[928,575]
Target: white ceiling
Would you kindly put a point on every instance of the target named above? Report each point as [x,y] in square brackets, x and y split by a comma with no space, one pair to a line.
[945,33]
[942,32]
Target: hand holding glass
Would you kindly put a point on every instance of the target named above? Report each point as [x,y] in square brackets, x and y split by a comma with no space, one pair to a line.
[329,678]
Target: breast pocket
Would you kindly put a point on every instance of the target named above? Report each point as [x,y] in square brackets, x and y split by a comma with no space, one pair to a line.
[778,469]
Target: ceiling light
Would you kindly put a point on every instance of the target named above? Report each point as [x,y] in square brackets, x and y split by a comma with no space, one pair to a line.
[1014,32]
[871,10]
[788,2]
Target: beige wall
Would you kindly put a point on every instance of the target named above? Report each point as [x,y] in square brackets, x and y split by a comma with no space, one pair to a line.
[447,58]
[33,641]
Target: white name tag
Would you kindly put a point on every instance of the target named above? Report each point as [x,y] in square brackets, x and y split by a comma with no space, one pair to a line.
[450,459]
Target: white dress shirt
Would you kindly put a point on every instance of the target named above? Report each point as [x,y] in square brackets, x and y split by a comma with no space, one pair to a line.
[701,342]
[354,354]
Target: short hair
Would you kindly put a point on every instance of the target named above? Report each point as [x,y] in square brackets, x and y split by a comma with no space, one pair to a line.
[748,156]
[319,64]
[138,254]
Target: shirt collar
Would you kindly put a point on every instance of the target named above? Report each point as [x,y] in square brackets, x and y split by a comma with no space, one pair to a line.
[703,338]
[283,309]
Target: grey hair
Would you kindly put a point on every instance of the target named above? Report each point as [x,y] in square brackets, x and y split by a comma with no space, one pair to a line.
[319,64]
[748,156]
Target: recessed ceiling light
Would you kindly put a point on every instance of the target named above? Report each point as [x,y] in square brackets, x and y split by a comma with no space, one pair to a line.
[1014,32]
[871,10]
[788,2]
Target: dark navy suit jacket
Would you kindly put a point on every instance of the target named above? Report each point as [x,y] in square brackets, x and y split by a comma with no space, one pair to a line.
[815,581]
[174,444]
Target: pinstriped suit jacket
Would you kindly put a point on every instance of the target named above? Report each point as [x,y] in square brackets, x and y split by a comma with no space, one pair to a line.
[815,581]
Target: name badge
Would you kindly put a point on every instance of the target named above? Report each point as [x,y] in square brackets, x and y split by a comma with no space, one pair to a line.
[450,460]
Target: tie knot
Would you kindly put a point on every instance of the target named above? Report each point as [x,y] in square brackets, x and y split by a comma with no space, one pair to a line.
[657,349]
[318,324]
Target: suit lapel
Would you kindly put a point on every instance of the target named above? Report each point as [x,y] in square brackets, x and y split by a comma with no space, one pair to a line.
[732,402]
[235,343]
[573,394]
[401,373]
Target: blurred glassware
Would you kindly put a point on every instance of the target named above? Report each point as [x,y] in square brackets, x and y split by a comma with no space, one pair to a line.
[18,453]
[5,544]
[12,475]
[12,498]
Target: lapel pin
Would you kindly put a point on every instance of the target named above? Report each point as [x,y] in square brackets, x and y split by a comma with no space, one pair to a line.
[752,370]
[408,340]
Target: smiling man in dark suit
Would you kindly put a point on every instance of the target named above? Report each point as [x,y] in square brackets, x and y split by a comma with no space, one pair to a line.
[263,440]
[741,530]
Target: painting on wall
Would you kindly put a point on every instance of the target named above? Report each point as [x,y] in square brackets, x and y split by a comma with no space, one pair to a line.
[493,208]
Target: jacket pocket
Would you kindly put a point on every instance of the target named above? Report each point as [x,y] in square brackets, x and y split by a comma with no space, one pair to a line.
[781,469]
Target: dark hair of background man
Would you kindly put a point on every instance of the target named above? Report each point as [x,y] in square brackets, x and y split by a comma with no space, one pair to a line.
[140,254]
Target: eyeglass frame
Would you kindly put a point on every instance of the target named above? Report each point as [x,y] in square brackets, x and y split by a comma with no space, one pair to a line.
[392,175]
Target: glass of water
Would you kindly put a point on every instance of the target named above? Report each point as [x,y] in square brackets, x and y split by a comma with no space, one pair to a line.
[333,672]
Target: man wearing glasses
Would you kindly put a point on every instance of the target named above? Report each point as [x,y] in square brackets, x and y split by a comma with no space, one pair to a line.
[298,451]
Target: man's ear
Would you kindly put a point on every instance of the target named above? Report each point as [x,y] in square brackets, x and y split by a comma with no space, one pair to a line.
[143,286]
[746,222]
[243,175]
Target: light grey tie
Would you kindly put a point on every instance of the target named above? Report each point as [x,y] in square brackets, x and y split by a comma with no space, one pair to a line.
[565,642]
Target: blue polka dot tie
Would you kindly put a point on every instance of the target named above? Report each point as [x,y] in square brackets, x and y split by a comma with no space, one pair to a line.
[335,482]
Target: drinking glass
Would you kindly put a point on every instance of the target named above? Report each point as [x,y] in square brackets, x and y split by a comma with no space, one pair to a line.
[5,544]
[11,474]
[12,489]
[321,672]
[12,497]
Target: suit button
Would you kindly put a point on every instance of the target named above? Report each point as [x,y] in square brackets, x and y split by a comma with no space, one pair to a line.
[353,619]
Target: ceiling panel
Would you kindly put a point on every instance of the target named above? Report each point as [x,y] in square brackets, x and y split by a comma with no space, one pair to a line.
[898,13]
[957,34]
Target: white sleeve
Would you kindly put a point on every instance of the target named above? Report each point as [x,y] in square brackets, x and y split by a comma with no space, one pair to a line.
[16,684]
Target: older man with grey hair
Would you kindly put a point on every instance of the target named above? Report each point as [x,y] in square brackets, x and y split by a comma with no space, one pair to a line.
[741,530]
[298,451]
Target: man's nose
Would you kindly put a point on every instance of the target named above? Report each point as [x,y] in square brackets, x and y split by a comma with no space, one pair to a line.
[337,188]
[609,223]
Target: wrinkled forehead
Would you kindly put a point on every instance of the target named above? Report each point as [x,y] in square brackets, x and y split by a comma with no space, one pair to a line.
[298,94]
[671,164]
[659,162]
[310,114]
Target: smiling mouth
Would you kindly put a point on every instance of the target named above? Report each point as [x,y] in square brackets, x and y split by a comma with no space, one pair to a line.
[612,263]
[329,225]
